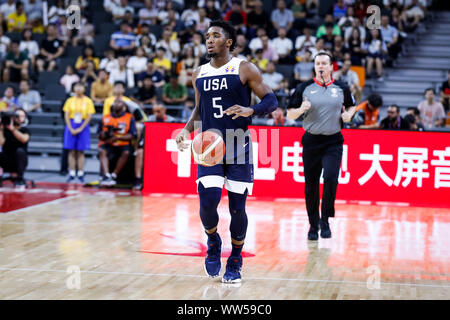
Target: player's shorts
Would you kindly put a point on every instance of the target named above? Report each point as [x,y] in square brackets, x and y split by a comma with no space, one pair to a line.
[236,177]
[81,141]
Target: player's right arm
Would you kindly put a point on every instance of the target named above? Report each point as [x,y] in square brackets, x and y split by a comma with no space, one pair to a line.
[195,116]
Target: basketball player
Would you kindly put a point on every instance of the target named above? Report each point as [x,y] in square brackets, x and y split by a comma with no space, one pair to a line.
[323,103]
[222,102]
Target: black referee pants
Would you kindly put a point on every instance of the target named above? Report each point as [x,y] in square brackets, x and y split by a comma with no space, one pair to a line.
[321,152]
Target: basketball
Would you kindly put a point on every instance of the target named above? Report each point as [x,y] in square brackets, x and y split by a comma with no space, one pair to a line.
[208,148]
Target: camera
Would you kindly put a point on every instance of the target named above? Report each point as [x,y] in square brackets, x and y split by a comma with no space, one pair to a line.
[110,131]
[5,118]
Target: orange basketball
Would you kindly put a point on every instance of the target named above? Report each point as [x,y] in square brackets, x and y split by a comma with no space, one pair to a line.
[208,148]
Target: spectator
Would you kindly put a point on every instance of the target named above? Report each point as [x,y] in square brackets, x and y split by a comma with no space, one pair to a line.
[6,9]
[51,49]
[185,36]
[56,10]
[29,100]
[376,50]
[445,93]
[160,62]
[172,20]
[303,70]
[188,64]
[259,61]
[431,111]
[282,17]
[413,117]
[389,34]
[271,77]
[138,62]
[367,113]
[339,10]
[145,31]
[237,17]
[33,10]
[118,94]
[109,62]
[157,77]
[269,51]
[88,55]
[356,24]
[321,31]
[328,37]
[346,21]
[299,12]
[123,74]
[109,5]
[116,131]
[159,114]
[9,101]
[17,20]
[78,111]
[101,88]
[212,12]
[29,46]
[203,21]
[147,93]
[415,9]
[306,41]
[171,46]
[199,44]
[131,21]
[174,93]
[319,47]
[146,45]
[279,119]
[190,13]
[89,74]
[166,15]
[118,12]
[4,45]
[63,33]
[241,50]
[283,46]
[124,41]
[351,78]
[14,138]
[339,50]
[257,18]
[69,79]
[148,14]
[355,47]
[256,43]
[85,34]
[394,121]
[16,66]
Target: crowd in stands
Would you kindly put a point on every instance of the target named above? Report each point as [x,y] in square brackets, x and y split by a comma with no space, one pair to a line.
[154,46]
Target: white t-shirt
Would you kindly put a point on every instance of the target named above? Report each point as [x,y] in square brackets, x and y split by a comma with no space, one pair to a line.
[173,45]
[120,11]
[6,9]
[272,79]
[31,47]
[4,42]
[255,44]
[190,15]
[109,65]
[145,13]
[283,46]
[126,76]
[301,40]
[137,64]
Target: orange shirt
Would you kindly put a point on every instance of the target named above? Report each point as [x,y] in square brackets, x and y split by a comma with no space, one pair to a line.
[370,117]
[122,123]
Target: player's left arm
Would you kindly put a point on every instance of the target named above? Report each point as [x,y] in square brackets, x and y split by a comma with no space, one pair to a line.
[252,76]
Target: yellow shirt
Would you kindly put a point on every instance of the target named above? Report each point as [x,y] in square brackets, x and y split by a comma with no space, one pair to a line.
[15,22]
[80,63]
[79,108]
[164,63]
[109,101]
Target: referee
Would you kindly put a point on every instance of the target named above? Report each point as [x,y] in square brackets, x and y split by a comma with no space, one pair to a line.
[324,104]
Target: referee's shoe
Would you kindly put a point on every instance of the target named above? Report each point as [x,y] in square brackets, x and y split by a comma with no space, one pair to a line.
[325,231]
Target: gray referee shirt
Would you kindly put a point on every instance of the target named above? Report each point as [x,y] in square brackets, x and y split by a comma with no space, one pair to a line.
[324,116]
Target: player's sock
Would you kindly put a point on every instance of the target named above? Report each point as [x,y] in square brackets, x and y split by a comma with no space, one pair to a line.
[236,249]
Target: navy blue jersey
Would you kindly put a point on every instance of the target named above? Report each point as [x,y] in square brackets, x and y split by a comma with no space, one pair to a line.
[219,89]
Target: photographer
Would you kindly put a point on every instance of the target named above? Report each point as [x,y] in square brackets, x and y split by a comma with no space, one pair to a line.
[14,137]
[116,131]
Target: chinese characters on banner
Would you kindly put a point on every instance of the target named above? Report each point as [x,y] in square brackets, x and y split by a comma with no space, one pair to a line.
[393,166]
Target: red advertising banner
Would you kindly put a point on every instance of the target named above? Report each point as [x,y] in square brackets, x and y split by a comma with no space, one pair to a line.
[401,167]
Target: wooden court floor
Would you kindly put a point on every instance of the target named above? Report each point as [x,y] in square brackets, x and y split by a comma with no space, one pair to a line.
[118,246]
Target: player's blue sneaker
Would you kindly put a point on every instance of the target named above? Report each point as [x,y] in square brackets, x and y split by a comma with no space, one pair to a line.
[233,270]
[212,260]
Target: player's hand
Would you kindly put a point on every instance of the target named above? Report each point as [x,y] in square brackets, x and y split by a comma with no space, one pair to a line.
[239,111]
[181,138]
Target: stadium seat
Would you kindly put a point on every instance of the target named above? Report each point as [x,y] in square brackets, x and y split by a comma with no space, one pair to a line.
[64,62]
[39,37]
[74,51]
[55,92]
[107,28]
[14,36]
[46,78]
[4,85]
[101,43]
[285,69]
[156,30]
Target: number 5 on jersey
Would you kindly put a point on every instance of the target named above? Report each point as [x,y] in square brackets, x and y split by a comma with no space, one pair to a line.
[218,106]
